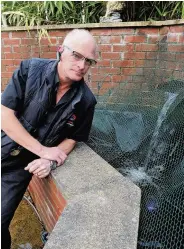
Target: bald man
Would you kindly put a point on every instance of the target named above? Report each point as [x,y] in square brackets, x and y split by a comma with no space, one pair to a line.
[46,109]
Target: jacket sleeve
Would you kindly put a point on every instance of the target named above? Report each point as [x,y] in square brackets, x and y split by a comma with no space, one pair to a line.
[83,127]
[13,95]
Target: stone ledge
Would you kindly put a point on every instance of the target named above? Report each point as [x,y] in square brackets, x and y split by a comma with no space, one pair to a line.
[98,25]
[102,209]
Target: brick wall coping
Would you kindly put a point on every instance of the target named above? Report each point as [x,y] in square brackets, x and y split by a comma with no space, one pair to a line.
[102,210]
[98,25]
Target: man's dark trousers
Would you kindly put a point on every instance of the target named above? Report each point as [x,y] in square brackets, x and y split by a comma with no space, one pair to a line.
[14,182]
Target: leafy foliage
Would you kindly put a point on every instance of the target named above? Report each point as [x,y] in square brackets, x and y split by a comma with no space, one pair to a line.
[162,10]
[152,10]
[30,13]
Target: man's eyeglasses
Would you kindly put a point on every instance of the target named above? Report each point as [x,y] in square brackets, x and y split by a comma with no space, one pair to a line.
[80,57]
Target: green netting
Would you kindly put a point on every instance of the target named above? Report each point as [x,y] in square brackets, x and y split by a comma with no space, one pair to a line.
[141,134]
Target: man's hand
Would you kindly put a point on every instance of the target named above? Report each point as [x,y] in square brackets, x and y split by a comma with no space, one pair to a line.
[53,153]
[39,167]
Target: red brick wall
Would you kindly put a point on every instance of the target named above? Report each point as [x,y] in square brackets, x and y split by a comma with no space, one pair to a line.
[48,200]
[139,57]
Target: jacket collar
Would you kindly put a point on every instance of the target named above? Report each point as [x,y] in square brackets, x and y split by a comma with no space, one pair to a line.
[80,93]
[51,70]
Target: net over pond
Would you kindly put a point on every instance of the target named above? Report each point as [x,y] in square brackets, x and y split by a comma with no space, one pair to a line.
[141,134]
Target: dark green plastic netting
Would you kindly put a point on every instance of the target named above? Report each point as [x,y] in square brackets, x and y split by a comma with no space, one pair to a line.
[141,134]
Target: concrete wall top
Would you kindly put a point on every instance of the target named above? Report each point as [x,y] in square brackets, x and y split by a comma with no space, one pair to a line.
[102,209]
[99,25]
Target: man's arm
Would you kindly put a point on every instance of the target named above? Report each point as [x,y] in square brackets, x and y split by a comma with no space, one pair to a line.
[42,167]
[14,129]
[67,145]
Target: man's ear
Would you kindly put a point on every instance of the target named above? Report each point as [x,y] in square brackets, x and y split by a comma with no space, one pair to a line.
[59,51]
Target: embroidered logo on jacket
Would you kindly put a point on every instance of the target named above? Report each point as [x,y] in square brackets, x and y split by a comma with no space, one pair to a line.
[71,121]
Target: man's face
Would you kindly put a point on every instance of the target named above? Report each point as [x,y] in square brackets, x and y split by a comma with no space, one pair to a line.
[76,59]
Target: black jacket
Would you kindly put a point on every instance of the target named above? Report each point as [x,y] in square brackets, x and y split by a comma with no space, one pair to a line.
[29,93]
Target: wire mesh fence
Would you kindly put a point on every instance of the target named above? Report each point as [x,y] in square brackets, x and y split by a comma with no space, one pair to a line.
[141,134]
